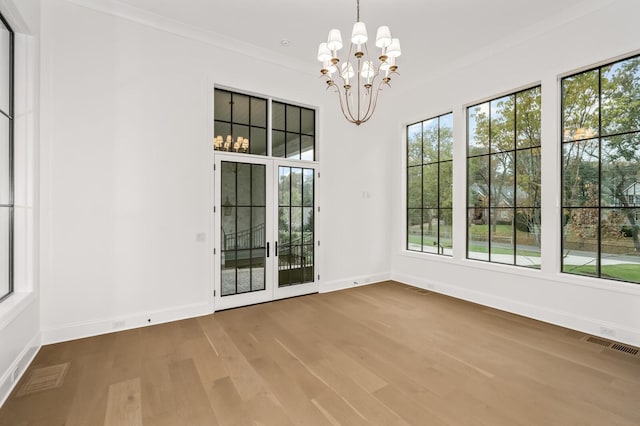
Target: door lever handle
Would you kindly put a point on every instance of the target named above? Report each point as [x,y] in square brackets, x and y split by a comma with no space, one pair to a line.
[267,249]
[276,248]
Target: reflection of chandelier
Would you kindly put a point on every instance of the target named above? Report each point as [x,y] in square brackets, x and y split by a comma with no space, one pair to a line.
[358,103]
[240,145]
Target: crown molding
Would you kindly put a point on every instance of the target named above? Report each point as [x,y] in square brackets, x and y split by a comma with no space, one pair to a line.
[121,10]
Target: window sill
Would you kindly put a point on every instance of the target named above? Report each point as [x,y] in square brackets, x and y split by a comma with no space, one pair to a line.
[554,276]
[13,306]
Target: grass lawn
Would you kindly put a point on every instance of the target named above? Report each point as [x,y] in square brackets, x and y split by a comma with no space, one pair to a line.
[501,250]
[624,271]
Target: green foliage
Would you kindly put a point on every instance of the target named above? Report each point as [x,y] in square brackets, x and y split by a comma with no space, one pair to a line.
[597,172]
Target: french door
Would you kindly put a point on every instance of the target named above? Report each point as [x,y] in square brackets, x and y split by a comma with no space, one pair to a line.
[265,220]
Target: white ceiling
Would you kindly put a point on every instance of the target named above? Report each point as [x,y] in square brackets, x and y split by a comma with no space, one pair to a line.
[434,34]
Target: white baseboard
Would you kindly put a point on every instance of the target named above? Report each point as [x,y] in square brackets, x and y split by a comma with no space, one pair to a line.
[110,325]
[12,376]
[570,320]
[353,282]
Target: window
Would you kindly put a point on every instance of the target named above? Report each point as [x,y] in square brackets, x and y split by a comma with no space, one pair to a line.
[503,179]
[241,126]
[429,184]
[601,171]
[293,132]
[6,158]
[240,123]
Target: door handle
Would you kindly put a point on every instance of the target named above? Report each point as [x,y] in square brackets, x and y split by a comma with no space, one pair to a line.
[267,249]
[276,248]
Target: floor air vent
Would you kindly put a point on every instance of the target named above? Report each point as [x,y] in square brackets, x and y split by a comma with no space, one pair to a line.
[626,349]
[43,378]
[597,341]
[613,346]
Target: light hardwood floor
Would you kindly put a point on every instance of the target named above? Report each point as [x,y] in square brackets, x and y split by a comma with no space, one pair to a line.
[385,354]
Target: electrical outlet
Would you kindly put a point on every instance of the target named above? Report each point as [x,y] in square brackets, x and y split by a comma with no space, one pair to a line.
[118,324]
[605,331]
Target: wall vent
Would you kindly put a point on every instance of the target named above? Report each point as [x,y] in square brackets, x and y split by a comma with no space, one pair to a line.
[597,341]
[613,346]
[624,348]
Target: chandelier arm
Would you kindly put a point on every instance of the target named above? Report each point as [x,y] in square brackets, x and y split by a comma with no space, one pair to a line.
[348,114]
[373,102]
[359,90]
[345,112]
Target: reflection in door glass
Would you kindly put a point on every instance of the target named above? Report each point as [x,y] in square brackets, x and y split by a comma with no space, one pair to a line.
[295,226]
[243,232]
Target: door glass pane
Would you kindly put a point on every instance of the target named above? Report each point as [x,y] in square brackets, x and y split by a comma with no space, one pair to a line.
[244,184]
[242,264]
[257,271]
[307,187]
[295,226]
[257,185]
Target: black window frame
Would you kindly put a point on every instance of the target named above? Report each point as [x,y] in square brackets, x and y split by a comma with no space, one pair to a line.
[490,154]
[291,132]
[251,125]
[565,210]
[10,115]
[440,249]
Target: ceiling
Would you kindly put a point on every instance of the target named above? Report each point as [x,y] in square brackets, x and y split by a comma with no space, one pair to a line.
[434,34]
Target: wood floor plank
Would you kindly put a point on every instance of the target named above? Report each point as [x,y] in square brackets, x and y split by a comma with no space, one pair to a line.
[383,354]
[124,404]
[192,403]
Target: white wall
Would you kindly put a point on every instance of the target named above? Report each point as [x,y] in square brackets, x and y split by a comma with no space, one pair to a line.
[126,171]
[20,312]
[566,43]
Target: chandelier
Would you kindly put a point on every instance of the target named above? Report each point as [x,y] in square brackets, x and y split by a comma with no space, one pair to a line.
[355,80]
